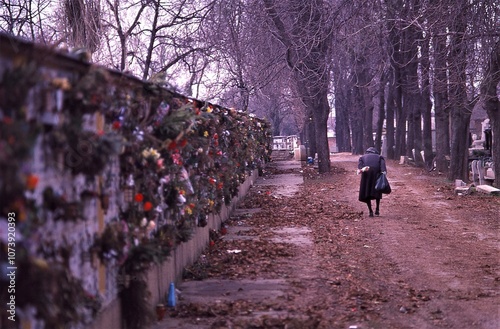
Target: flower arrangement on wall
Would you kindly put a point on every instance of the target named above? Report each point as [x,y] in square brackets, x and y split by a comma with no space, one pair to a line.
[179,159]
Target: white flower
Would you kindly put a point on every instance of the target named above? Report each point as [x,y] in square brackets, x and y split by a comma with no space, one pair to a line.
[181,199]
[151,226]
[151,152]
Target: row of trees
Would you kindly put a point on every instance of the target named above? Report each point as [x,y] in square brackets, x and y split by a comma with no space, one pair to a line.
[389,64]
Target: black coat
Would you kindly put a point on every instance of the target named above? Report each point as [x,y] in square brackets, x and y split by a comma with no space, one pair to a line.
[376,163]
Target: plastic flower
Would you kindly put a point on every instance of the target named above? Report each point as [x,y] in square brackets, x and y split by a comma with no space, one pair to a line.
[147,206]
[177,159]
[151,226]
[160,163]
[172,145]
[31,182]
[151,152]
[181,199]
[139,197]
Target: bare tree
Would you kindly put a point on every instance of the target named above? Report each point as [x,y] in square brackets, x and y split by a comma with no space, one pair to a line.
[26,18]
[305,29]
[117,20]
[83,17]
[170,28]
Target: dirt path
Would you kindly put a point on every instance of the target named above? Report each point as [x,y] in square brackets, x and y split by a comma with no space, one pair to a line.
[442,249]
[314,259]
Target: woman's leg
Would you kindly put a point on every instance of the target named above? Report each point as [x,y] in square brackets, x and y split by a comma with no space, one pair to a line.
[377,212]
[369,204]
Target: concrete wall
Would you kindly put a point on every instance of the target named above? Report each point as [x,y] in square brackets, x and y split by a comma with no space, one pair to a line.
[160,276]
[52,233]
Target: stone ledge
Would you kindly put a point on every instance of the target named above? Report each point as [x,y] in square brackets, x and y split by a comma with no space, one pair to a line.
[488,189]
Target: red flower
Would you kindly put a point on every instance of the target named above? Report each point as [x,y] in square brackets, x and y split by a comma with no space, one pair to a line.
[139,197]
[148,206]
[31,182]
[177,159]
[183,143]
[172,146]
[117,125]
[220,186]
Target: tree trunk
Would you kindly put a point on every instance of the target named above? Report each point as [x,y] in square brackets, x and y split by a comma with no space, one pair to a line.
[364,101]
[400,138]
[426,104]
[390,122]
[321,112]
[411,92]
[492,104]
[459,144]
[414,143]
[342,130]
[368,127]
[400,118]
[381,113]
[460,111]
[307,58]
[311,135]
[441,109]
[357,122]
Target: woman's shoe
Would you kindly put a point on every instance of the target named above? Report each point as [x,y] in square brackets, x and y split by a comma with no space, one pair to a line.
[371,214]
[377,213]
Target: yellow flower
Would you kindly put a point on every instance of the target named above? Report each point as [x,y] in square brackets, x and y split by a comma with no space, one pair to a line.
[151,152]
[209,109]
[188,210]
[205,133]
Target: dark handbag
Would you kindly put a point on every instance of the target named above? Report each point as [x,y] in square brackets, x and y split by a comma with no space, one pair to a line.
[382,184]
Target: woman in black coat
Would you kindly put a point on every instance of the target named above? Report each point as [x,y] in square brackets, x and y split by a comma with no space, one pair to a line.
[370,165]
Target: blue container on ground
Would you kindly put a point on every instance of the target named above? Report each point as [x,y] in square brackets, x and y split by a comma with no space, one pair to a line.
[171,300]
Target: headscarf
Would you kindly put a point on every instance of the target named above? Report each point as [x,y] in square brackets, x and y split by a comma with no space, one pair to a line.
[372,150]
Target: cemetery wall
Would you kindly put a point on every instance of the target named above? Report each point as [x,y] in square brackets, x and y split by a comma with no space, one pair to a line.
[111,186]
